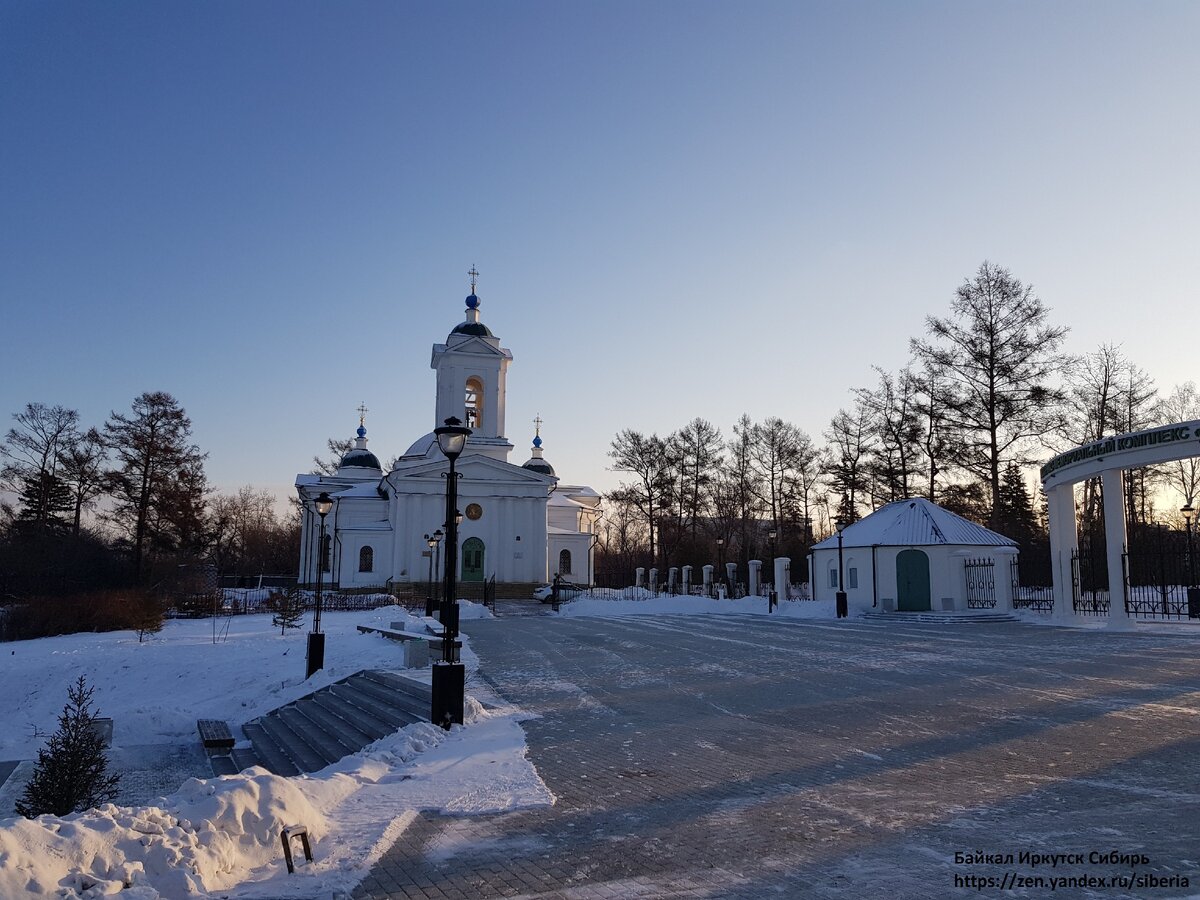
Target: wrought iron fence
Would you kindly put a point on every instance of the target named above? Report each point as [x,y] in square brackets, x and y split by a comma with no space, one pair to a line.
[1157,579]
[1089,581]
[981,583]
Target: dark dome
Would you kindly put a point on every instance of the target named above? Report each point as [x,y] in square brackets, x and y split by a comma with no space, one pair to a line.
[362,458]
[478,329]
[472,302]
[539,465]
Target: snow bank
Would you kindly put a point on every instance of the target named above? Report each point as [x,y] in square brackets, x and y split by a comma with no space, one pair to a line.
[223,834]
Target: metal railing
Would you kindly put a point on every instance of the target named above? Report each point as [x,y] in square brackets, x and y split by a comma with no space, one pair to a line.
[981,583]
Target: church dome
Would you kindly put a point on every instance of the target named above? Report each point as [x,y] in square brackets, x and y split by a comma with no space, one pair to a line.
[358,456]
[539,465]
[477,329]
[536,463]
[363,458]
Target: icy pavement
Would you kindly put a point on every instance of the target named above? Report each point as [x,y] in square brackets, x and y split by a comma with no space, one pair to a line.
[736,756]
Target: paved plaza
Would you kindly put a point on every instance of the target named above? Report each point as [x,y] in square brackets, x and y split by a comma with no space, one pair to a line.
[740,757]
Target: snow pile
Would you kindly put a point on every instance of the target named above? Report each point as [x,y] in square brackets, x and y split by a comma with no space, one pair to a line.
[223,834]
[207,839]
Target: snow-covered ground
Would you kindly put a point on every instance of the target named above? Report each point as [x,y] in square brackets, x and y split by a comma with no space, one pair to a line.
[221,835]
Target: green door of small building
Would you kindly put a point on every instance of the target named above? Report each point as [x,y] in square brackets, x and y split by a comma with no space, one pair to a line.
[912,581]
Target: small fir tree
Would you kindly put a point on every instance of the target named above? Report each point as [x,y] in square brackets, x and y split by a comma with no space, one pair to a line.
[146,614]
[288,605]
[71,773]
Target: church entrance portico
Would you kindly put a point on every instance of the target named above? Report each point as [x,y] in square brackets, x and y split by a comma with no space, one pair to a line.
[1108,459]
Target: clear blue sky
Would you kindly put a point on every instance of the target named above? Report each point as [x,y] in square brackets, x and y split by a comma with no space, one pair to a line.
[678,209]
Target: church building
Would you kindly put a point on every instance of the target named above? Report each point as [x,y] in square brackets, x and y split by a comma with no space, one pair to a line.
[520,523]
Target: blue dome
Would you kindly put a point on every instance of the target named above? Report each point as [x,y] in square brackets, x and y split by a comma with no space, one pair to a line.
[472,302]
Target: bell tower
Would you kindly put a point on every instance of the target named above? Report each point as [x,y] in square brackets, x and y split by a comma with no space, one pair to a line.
[471,370]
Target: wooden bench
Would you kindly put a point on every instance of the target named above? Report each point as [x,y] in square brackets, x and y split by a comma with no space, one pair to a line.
[215,735]
[415,646]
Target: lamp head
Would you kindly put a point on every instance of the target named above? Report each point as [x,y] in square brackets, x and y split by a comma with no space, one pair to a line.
[840,525]
[1188,512]
[720,542]
[458,517]
[437,536]
[324,504]
[771,534]
[452,437]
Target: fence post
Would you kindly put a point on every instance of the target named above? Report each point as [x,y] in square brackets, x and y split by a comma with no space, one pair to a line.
[687,579]
[654,582]
[755,577]
[1004,558]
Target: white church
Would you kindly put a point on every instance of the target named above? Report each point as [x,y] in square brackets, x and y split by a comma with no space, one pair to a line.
[520,523]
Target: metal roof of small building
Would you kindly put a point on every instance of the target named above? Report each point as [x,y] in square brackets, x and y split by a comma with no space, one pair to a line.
[915,522]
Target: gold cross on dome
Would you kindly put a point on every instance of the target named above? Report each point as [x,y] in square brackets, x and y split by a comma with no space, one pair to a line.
[362,414]
[474,278]
[537,422]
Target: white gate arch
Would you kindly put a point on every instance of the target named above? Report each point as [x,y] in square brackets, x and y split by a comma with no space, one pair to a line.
[1108,458]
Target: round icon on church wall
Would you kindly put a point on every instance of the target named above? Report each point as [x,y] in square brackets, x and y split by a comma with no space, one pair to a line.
[474,511]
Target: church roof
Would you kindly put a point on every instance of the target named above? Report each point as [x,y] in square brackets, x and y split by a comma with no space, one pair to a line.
[915,522]
[359,456]
[478,329]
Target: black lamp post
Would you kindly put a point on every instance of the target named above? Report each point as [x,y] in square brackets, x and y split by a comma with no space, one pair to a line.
[772,534]
[432,540]
[315,658]
[842,604]
[449,678]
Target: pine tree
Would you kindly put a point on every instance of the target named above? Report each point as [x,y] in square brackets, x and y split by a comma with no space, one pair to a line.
[288,605]
[71,773]
[146,614]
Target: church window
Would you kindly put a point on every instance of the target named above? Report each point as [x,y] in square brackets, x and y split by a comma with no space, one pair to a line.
[366,559]
[474,403]
[833,579]
[852,577]
[564,563]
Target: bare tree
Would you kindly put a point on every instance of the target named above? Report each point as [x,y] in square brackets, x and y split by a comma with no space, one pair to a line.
[646,458]
[1001,356]
[83,470]
[1182,476]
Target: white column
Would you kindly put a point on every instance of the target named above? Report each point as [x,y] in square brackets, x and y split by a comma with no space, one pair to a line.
[1004,557]
[641,577]
[783,576]
[1113,484]
[752,587]
[730,575]
[654,581]
[687,579]
[672,578]
[707,570]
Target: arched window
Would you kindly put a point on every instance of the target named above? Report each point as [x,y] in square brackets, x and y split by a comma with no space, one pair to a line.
[366,559]
[564,563]
[474,403]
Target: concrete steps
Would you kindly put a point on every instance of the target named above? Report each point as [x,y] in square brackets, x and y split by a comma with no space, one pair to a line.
[310,733]
[940,618]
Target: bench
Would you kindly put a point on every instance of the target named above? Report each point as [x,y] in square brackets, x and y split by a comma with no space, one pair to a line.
[215,735]
[415,646]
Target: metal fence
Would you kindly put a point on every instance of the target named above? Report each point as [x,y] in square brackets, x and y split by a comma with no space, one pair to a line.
[981,583]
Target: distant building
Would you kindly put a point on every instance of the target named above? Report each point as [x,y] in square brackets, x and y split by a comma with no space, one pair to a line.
[520,522]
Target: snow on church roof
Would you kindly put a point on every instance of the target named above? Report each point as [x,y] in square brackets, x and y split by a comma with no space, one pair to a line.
[914,523]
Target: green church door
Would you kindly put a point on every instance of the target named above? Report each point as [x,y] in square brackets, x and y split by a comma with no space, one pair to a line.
[472,563]
[912,581]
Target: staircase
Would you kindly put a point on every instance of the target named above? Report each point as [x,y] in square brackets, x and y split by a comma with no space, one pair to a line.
[940,618]
[310,733]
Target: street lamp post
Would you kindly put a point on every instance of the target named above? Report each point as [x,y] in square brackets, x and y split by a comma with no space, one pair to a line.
[314,660]
[432,540]
[449,678]
[842,604]
[772,534]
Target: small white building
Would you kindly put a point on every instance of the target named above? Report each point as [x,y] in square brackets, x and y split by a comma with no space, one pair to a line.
[914,556]
[520,524]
